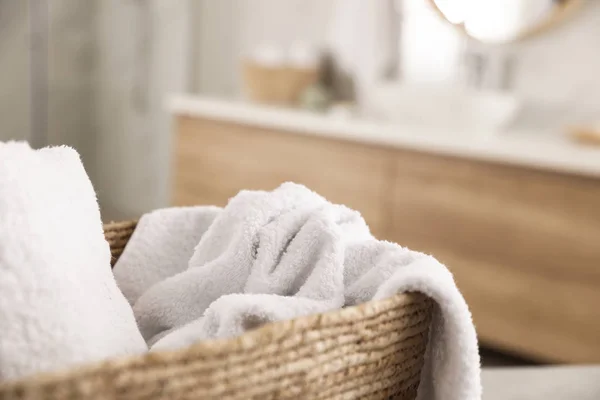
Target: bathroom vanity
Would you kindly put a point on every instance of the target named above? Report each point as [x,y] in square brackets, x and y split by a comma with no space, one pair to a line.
[515,215]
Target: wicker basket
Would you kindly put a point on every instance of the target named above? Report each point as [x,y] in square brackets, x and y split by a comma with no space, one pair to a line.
[281,86]
[372,351]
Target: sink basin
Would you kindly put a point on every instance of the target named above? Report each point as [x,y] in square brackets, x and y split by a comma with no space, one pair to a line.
[436,106]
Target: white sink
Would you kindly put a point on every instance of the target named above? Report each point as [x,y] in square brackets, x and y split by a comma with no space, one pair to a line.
[437,106]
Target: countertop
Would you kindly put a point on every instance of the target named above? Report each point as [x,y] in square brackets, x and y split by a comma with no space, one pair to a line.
[542,383]
[540,150]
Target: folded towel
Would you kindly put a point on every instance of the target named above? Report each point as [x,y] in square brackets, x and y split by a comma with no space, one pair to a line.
[59,303]
[160,247]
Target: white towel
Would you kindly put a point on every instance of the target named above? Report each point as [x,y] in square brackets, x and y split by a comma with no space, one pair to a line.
[266,259]
[370,263]
[160,247]
[247,250]
[59,303]
[452,368]
[299,270]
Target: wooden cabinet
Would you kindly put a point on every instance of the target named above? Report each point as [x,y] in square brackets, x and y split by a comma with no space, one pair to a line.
[523,245]
[214,160]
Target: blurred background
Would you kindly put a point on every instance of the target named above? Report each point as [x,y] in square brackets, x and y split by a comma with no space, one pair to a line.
[467,129]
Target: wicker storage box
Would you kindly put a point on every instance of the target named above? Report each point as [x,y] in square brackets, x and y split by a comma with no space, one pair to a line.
[276,85]
[372,351]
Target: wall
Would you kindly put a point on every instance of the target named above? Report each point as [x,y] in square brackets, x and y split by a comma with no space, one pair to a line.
[70,68]
[68,65]
[231,28]
[422,30]
[215,47]
[563,64]
[14,70]
[560,66]
[142,56]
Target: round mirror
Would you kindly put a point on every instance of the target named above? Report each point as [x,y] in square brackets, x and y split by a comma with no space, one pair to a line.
[504,21]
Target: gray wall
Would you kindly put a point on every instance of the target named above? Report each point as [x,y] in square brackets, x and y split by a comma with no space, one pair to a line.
[71,67]
[14,70]
[142,57]
[230,28]
[70,55]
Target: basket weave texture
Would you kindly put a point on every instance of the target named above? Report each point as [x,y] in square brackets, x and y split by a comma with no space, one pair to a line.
[276,85]
[371,351]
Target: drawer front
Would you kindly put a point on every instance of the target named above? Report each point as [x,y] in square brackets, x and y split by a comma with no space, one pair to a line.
[524,247]
[214,160]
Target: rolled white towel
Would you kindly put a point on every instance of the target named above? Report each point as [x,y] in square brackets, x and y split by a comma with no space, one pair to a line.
[59,302]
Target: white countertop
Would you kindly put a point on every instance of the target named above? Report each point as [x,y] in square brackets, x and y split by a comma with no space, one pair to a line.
[540,150]
[542,383]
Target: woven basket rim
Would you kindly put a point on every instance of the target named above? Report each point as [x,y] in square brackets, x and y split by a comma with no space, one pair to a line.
[409,302]
[218,347]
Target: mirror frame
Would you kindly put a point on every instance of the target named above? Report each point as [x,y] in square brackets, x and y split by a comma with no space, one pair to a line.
[561,14]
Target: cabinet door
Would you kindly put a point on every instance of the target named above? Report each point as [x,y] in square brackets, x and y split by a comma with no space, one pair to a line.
[215,160]
[524,247]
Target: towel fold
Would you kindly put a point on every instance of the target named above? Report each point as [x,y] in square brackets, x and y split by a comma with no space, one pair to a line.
[278,255]
[59,302]
[452,368]
[262,242]
[299,270]
[160,247]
